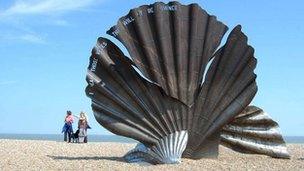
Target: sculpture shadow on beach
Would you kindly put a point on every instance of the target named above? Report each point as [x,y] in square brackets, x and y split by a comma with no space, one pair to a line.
[120,159]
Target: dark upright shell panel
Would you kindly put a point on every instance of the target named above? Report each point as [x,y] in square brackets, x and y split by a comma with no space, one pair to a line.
[228,88]
[171,44]
[124,102]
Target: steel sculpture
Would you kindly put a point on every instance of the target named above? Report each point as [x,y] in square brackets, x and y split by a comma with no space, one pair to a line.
[179,94]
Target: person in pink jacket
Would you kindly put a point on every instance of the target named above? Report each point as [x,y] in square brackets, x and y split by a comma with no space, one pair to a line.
[67,127]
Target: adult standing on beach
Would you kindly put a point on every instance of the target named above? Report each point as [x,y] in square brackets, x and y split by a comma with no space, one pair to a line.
[83,126]
[67,128]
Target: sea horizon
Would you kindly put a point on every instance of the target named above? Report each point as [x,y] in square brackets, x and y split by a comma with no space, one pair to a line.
[104,138]
[59,137]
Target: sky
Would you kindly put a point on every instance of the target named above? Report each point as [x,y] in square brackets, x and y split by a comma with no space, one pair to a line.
[45,47]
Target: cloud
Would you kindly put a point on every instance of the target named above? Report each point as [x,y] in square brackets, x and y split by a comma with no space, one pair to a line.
[32,38]
[3,83]
[22,16]
[33,7]
[60,22]
[27,37]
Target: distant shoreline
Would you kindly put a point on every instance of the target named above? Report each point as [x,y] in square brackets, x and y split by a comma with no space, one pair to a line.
[107,138]
[59,137]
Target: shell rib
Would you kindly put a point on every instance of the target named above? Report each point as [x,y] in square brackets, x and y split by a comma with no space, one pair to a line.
[253,131]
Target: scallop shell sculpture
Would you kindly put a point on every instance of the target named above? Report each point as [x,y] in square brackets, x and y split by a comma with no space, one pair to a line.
[179,94]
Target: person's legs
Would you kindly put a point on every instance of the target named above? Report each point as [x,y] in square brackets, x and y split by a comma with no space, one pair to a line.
[85,139]
[65,136]
[81,135]
[69,134]
[85,136]
[81,139]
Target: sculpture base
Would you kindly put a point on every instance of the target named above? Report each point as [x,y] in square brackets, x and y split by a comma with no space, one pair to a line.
[169,150]
[208,149]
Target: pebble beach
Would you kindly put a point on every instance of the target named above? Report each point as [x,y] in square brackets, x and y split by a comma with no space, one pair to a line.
[52,155]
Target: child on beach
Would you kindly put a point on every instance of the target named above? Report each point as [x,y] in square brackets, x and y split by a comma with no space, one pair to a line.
[67,127]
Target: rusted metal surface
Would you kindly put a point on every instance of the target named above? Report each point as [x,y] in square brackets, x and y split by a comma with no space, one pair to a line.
[171,46]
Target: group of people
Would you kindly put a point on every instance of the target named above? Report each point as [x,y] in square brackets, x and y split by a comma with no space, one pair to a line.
[80,135]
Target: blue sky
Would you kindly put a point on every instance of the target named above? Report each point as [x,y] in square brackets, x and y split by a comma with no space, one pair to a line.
[45,46]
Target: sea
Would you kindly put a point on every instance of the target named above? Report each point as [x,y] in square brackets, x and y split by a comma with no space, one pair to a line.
[107,138]
[59,137]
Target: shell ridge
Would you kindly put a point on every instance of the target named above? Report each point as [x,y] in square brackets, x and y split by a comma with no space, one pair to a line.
[265,141]
[229,111]
[228,84]
[120,74]
[106,121]
[134,118]
[118,99]
[210,86]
